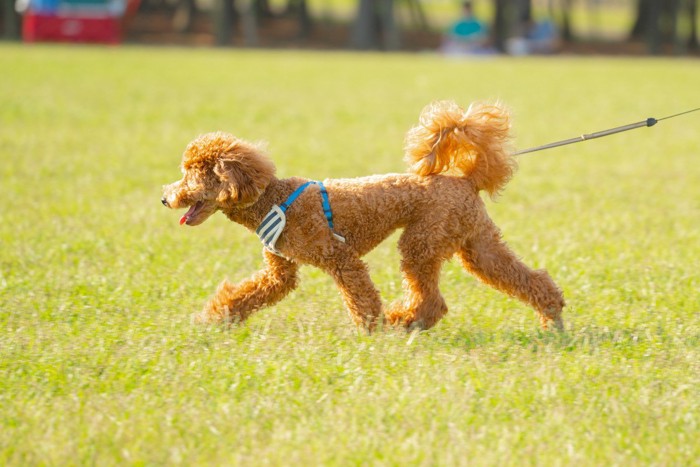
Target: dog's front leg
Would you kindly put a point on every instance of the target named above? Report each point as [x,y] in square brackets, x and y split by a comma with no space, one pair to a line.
[235,303]
[356,287]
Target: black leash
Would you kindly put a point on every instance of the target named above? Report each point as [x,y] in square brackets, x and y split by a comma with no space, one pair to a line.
[599,134]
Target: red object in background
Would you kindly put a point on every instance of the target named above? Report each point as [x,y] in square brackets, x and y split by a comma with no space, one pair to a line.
[39,27]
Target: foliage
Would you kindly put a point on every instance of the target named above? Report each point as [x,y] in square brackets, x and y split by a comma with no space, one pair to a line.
[100,365]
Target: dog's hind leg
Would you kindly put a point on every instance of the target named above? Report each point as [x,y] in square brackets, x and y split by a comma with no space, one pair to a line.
[356,287]
[490,260]
[235,303]
[422,304]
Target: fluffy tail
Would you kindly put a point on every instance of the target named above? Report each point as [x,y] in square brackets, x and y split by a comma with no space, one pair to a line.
[471,144]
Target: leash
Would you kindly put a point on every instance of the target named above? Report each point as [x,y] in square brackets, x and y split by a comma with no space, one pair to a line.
[649,122]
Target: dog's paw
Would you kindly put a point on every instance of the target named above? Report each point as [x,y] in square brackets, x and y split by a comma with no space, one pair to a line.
[552,323]
[202,318]
[207,317]
[397,315]
[405,321]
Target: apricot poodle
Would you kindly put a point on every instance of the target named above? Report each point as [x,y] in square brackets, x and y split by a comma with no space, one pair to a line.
[452,155]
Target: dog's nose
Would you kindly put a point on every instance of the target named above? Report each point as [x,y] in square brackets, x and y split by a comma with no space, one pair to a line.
[165,202]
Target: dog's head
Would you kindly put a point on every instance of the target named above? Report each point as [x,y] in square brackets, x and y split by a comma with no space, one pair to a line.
[219,171]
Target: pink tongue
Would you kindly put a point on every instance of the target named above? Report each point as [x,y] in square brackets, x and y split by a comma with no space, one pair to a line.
[189,212]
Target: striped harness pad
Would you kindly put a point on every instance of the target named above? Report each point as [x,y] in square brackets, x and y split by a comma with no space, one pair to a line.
[273,224]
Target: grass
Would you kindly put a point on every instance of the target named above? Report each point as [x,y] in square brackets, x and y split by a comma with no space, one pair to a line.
[99,363]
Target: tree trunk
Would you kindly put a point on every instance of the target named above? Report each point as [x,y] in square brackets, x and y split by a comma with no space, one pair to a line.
[641,19]
[375,26]
[653,29]
[656,23]
[524,11]
[511,18]
[566,31]
[11,20]
[500,24]
[364,30]
[184,15]
[390,31]
[223,21]
[249,22]
[693,16]
[304,19]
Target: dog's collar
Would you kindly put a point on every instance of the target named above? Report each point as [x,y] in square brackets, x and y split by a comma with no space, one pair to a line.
[274,222]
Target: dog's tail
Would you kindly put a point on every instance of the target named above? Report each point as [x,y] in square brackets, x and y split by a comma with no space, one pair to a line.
[471,143]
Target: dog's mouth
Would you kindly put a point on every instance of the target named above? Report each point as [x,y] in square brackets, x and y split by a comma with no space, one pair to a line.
[192,213]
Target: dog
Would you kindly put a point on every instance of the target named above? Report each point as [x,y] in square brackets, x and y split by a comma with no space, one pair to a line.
[453,154]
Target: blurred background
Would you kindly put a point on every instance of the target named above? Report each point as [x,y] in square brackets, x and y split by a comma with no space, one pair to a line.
[517,27]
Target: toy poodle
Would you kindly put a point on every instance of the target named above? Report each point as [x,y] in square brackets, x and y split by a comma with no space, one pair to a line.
[452,154]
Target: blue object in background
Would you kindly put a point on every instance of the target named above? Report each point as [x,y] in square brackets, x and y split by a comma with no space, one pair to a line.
[44,6]
[468,28]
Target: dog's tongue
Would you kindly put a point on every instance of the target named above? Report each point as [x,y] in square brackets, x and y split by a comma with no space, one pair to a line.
[189,212]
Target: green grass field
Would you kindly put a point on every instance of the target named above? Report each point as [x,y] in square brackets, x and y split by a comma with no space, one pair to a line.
[99,363]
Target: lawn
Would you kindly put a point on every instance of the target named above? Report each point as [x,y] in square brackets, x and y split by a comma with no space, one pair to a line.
[99,363]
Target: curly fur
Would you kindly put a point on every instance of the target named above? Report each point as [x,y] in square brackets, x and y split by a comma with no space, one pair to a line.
[470,144]
[453,155]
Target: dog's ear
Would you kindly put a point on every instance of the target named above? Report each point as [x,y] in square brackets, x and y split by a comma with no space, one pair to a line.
[237,186]
[245,171]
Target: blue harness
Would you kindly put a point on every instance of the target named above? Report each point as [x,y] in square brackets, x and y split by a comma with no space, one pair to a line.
[273,224]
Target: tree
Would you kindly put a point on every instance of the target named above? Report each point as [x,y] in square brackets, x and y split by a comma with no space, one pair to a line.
[510,18]
[693,16]
[656,23]
[566,32]
[375,25]
[10,20]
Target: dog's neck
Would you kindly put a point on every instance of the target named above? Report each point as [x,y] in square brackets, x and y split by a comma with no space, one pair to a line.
[251,216]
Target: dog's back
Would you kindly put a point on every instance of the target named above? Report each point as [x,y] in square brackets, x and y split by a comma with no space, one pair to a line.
[367,210]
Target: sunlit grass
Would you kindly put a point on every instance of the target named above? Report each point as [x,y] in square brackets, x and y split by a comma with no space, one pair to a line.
[99,363]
